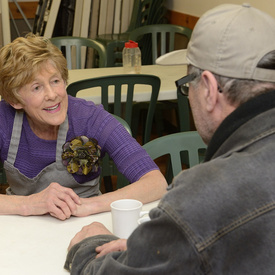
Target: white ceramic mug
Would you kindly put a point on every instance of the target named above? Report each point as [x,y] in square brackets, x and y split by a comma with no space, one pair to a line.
[125,215]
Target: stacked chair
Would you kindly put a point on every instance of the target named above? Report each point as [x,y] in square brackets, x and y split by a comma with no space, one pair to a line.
[145,12]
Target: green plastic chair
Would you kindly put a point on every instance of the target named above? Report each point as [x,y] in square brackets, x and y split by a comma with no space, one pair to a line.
[182,148]
[154,41]
[131,81]
[72,50]
[159,39]
[144,12]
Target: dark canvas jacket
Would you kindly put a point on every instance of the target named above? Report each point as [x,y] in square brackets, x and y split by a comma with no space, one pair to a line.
[217,218]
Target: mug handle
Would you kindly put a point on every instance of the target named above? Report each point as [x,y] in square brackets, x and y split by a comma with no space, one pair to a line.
[142,213]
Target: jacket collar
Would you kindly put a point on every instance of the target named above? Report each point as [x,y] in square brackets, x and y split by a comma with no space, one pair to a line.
[237,118]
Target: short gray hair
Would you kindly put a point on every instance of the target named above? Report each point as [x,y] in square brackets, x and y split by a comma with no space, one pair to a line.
[239,91]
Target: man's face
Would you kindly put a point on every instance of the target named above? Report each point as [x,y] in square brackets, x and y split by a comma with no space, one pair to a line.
[202,118]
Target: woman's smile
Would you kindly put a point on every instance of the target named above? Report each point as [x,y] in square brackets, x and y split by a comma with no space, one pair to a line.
[53,109]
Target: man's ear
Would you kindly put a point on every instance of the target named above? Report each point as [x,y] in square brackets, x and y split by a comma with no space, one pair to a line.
[211,91]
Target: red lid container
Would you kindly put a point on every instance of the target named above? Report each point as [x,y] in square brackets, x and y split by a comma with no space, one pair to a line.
[131,44]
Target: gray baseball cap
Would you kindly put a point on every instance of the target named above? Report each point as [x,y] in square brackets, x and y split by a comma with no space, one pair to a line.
[230,40]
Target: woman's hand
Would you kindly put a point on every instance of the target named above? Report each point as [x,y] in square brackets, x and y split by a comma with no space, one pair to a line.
[117,245]
[93,205]
[90,230]
[58,201]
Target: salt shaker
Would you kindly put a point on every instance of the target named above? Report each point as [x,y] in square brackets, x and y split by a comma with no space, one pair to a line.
[131,58]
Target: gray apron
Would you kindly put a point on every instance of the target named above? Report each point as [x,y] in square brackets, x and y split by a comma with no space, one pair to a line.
[19,184]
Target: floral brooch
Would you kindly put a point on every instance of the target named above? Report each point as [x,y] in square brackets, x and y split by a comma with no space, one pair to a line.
[81,155]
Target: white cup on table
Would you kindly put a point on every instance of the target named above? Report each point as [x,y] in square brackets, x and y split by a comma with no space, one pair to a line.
[125,216]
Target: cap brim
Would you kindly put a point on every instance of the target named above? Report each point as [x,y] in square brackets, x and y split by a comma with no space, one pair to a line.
[177,57]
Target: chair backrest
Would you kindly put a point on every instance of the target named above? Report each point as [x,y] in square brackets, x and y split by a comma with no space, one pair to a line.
[174,145]
[144,12]
[121,85]
[182,148]
[158,39]
[74,48]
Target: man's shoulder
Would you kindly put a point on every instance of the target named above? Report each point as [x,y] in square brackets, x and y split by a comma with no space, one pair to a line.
[213,198]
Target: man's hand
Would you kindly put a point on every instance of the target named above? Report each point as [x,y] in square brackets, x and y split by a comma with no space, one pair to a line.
[90,230]
[58,201]
[117,245]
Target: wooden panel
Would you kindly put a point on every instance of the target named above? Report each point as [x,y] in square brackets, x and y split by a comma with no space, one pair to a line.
[5,22]
[85,18]
[94,19]
[52,18]
[1,34]
[29,9]
[110,17]
[127,8]
[102,17]
[77,18]
[182,19]
[117,16]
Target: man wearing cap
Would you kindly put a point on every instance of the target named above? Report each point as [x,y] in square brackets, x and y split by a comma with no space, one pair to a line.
[218,217]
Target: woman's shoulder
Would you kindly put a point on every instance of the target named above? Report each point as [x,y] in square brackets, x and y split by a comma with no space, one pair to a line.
[85,116]
[6,111]
[7,114]
[79,106]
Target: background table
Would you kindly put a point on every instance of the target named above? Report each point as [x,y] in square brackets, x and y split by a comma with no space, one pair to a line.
[167,74]
[38,244]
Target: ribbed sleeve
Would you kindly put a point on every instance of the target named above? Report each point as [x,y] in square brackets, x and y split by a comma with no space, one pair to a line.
[85,118]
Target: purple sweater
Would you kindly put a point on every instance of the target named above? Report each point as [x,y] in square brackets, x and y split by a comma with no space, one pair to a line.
[85,118]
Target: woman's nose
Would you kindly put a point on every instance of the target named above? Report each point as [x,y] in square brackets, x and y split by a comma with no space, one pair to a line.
[50,93]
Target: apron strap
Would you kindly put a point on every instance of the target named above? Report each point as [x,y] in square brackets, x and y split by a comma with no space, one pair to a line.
[61,139]
[16,134]
[15,137]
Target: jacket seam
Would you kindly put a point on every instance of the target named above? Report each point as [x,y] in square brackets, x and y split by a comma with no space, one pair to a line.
[248,143]
[232,226]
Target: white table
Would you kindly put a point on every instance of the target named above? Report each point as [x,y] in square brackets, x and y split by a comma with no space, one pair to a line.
[167,74]
[38,244]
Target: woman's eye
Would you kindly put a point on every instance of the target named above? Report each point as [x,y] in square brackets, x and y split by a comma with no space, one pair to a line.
[36,88]
[56,81]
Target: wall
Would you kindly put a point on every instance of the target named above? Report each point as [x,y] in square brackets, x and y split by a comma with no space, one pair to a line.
[198,7]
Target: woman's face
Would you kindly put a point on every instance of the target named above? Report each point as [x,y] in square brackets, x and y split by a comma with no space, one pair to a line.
[45,100]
